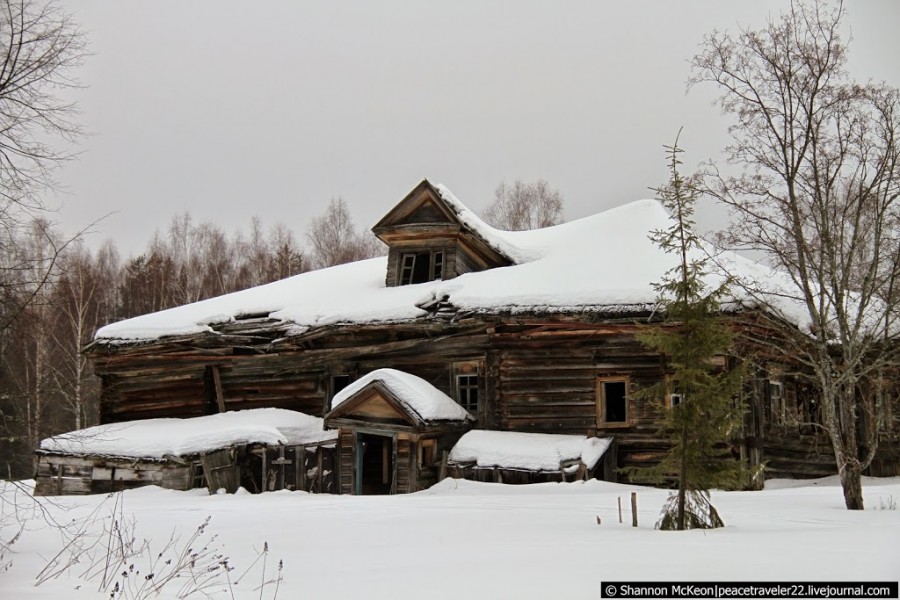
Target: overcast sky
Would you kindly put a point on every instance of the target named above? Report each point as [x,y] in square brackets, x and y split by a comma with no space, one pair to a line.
[233,109]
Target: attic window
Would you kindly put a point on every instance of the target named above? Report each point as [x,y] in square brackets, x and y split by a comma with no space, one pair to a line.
[420,267]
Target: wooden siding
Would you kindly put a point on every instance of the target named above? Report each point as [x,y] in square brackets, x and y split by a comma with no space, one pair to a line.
[65,475]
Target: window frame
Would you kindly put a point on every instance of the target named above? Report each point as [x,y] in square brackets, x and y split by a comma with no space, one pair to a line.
[670,399]
[408,262]
[600,395]
[469,387]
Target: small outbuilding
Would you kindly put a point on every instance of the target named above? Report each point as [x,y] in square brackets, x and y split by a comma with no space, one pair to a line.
[394,429]
[517,457]
[260,449]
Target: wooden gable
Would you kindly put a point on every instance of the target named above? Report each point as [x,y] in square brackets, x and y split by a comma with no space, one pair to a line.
[374,404]
[425,225]
[422,206]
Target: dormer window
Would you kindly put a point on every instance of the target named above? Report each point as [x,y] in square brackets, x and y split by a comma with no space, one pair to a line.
[428,239]
[420,267]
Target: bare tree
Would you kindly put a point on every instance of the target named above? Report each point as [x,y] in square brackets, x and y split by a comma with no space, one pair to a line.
[77,304]
[523,206]
[819,196]
[39,47]
[335,239]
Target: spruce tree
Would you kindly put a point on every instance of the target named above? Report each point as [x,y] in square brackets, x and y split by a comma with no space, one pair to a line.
[692,337]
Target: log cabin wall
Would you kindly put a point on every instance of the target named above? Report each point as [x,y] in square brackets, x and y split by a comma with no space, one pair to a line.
[547,381]
[535,374]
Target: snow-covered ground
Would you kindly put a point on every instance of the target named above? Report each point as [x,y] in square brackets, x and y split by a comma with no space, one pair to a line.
[468,540]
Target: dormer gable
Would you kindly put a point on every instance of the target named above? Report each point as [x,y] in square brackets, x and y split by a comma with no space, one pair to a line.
[427,240]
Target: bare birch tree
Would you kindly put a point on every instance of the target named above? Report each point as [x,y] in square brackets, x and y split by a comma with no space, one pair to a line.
[335,239]
[522,206]
[819,196]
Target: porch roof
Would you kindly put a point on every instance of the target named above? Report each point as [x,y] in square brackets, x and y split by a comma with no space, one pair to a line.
[418,399]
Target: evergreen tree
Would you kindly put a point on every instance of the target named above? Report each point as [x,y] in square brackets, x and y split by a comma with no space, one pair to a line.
[699,424]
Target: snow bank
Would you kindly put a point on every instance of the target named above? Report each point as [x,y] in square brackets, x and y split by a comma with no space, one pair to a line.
[419,396]
[527,451]
[156,438]
[604,261]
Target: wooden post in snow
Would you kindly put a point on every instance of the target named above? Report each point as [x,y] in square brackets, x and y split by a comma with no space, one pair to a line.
[634,509]
[620,508]
[442,474]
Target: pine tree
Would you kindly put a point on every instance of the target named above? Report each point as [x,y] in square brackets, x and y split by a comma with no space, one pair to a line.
[693,336]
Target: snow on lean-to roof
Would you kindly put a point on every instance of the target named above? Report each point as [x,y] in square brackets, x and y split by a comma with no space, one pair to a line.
[415,393]
[527,451]
[156,438]
[605,260]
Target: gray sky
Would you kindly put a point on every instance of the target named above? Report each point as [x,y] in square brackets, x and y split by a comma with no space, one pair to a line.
[233,109]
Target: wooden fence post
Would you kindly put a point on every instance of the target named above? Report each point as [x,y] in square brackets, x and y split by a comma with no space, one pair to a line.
[634,520]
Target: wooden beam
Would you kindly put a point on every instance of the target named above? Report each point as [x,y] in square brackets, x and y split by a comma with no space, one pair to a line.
[217,382]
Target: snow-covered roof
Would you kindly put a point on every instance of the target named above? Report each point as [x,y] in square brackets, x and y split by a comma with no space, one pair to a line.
[603,262]
[157,438]
[416,394]
[527,451]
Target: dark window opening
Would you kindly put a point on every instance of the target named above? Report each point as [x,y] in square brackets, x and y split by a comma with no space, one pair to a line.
[467,392]
[615,402]
[421,267]
[675,399]
[338,383]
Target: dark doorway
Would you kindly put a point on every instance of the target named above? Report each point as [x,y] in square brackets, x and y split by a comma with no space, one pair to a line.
[375,463]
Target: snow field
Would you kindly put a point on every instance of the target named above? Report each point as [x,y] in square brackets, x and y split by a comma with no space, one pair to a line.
[463,539]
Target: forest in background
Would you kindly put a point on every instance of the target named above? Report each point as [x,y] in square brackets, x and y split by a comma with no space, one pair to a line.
[56,293]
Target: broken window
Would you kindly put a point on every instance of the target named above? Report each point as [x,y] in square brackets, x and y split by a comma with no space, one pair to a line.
[613,400]
[420,267]
[467,392]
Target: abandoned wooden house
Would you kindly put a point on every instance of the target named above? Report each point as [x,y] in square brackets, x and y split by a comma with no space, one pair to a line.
[528,332]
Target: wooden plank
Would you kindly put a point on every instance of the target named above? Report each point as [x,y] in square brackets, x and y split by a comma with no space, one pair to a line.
[217,383]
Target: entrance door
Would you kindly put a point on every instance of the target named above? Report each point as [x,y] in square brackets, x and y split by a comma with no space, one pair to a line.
[374,463]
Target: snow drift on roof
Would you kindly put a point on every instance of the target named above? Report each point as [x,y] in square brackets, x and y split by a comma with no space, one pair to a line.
[419,396]
[156,438]
[606,260]
[527,451]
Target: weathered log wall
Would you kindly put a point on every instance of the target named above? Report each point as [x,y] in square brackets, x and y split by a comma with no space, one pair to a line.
[536,374]
[74,475]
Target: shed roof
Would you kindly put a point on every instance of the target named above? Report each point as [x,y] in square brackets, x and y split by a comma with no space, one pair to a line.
[527,451]
[157,438]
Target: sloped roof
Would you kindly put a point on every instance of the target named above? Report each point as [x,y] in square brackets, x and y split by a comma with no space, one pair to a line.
[419,399]
[527,451]
[156,438]
[602,262]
